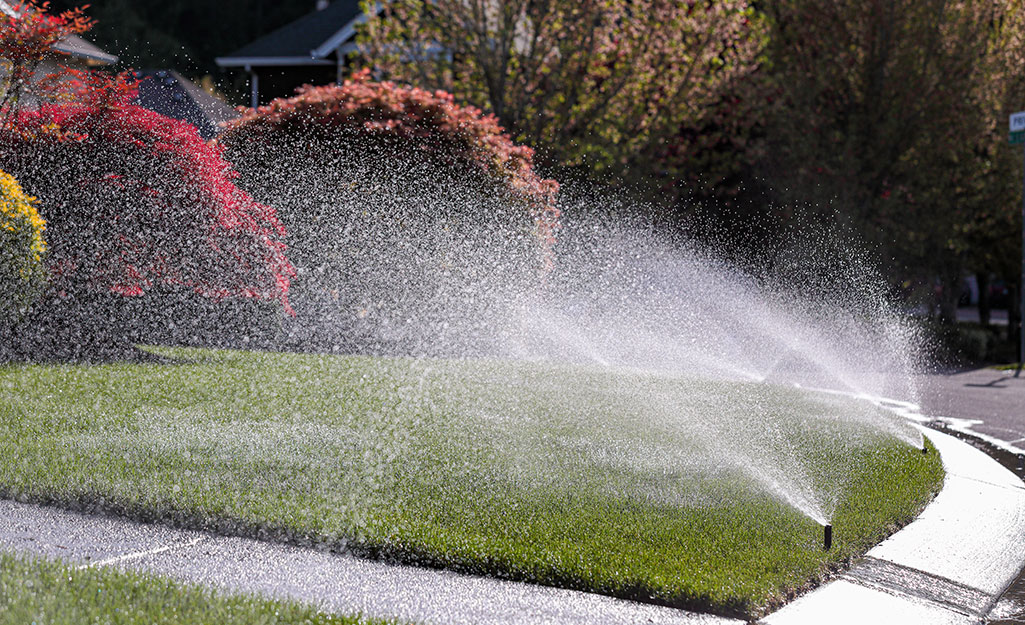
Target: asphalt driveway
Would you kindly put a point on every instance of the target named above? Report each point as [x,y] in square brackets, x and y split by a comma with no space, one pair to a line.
[992,401]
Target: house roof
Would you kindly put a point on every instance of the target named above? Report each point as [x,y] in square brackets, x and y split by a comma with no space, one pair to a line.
[307,41]
[169,93]
[72,44]
[78,47]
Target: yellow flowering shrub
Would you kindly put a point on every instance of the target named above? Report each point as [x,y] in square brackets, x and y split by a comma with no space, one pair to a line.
[22,249]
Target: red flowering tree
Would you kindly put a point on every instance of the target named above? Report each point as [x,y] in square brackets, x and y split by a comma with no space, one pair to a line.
[395,198]
[27,36]
[407,122]
[135,202]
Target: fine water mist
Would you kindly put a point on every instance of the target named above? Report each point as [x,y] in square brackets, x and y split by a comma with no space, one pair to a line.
[436,266]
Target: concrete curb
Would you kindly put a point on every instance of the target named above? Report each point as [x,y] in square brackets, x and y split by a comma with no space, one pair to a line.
[950,565]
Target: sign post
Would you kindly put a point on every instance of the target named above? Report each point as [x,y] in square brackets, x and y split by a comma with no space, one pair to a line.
[1017,136]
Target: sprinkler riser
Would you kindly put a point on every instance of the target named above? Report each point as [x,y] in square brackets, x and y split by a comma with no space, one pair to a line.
[827,538]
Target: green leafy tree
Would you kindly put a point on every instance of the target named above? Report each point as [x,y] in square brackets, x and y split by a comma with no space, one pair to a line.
[592,83]
[891,120]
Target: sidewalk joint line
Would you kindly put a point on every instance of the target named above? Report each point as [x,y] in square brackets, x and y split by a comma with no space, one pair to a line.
[897,579]
[140,554]
[1012,487]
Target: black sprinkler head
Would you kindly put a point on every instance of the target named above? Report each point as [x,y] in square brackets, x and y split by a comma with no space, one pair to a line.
[827,539]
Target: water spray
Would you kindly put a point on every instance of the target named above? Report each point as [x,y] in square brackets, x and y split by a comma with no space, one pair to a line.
[827,538]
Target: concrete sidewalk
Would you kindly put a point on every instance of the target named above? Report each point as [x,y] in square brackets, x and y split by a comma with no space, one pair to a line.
[337,583]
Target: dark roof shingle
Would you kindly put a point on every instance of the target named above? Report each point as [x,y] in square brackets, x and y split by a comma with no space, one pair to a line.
[300,37]
[169,93]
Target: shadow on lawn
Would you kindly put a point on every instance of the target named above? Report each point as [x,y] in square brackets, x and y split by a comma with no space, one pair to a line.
[106,329]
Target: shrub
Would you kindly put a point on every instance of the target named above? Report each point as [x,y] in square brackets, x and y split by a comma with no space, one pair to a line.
[406,122]
[136,201]
[21,250]
[401,207]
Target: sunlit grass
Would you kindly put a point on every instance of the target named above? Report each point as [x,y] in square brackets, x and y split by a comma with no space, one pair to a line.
[622,483]
[40,591]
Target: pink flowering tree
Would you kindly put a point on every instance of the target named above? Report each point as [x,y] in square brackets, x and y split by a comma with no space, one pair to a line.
[137,201]
[391,196]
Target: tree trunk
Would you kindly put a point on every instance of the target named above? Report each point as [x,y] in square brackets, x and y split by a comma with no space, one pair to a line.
[982,278]
[950,291]
[1014,321]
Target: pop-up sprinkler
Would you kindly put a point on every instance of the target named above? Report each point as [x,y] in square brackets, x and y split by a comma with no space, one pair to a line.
[827,538]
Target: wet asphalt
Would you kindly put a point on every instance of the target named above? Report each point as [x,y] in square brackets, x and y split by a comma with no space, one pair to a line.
[989,402]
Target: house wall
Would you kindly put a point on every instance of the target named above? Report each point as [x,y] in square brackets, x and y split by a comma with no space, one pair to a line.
[281,82]
[50,65]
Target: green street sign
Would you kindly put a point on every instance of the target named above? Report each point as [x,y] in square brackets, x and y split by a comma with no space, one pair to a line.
[1018,136]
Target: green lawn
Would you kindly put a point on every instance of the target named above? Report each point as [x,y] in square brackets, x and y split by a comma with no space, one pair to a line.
[38,591]
[624,483]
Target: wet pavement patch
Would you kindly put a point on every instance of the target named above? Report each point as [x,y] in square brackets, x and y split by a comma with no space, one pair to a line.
[898,579]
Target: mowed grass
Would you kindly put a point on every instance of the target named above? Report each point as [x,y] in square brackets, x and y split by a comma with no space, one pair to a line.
[39,591]
[624,483]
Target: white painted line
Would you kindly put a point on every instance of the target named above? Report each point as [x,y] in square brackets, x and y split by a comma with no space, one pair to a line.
[965,426]
[141,554]
[913,412]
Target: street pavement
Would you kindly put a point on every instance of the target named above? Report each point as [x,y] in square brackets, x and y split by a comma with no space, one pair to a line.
[985,402]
